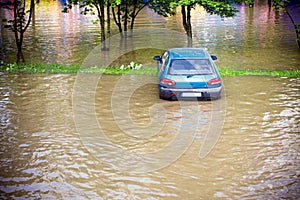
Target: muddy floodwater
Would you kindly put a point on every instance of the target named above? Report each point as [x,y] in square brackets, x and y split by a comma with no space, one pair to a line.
[44,156]
[87,136]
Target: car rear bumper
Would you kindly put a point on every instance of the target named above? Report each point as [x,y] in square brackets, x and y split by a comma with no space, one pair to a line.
[209,93]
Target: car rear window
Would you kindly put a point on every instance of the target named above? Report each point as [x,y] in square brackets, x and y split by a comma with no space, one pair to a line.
[190,67]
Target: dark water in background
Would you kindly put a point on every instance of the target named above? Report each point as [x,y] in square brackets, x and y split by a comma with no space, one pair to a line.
[256,38]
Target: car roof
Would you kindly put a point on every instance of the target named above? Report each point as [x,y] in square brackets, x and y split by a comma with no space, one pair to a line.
[179,53]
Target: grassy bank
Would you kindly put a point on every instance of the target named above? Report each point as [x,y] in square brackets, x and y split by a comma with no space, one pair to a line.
[257,72]
[57,68]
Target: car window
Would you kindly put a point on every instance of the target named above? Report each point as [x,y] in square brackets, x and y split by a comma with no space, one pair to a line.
[190,67]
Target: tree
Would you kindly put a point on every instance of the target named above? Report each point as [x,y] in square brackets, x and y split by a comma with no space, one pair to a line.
[223,8]
[123,11]
[127,11]
[284,6]
[20,22]
[89,6]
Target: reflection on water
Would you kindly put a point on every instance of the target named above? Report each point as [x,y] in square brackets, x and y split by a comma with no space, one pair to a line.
[42,156]
[256,38]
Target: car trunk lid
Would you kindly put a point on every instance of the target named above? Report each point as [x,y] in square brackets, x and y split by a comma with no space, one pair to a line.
[191,81]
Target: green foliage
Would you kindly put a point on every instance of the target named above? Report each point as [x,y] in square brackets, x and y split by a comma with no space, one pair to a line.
[224,8]
[247,2]
[279,5]
[163,7]
[86,6]
[114,3]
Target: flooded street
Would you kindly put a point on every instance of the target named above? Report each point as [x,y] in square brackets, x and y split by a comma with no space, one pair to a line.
[43,154]
[87,136]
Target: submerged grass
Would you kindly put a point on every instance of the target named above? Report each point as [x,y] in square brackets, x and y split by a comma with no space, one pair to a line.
[259,72]
[35,68]
[60,69]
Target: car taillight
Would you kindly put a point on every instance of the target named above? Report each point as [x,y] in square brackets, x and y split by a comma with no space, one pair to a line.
[214,81]
[166,81]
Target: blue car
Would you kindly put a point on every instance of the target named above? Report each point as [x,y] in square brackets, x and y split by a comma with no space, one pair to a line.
[188,73]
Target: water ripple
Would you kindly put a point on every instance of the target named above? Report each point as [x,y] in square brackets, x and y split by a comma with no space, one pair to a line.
[41,154]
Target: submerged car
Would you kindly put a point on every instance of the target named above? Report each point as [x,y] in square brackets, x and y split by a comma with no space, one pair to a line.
[188,73]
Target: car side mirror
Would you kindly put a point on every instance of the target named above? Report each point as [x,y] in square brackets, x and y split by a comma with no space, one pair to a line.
[157,58]
[214,57]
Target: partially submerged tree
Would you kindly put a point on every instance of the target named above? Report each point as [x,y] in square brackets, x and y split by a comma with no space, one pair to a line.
[126,11]
[89,7]
[224,8]
[284,6]
[20,22]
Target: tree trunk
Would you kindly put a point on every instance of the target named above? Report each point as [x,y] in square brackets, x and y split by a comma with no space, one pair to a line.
[186,21]
[101,17]
[108,17]
[117,19]
[135,13]
[18,30]
[125,20]
[20,56]
[102,22]
[297,27]
[270,3]
[19,25]
[108,22]
[2,54]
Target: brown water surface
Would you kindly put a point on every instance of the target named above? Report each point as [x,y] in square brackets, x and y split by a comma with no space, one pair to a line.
[47,122]
[42,154]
